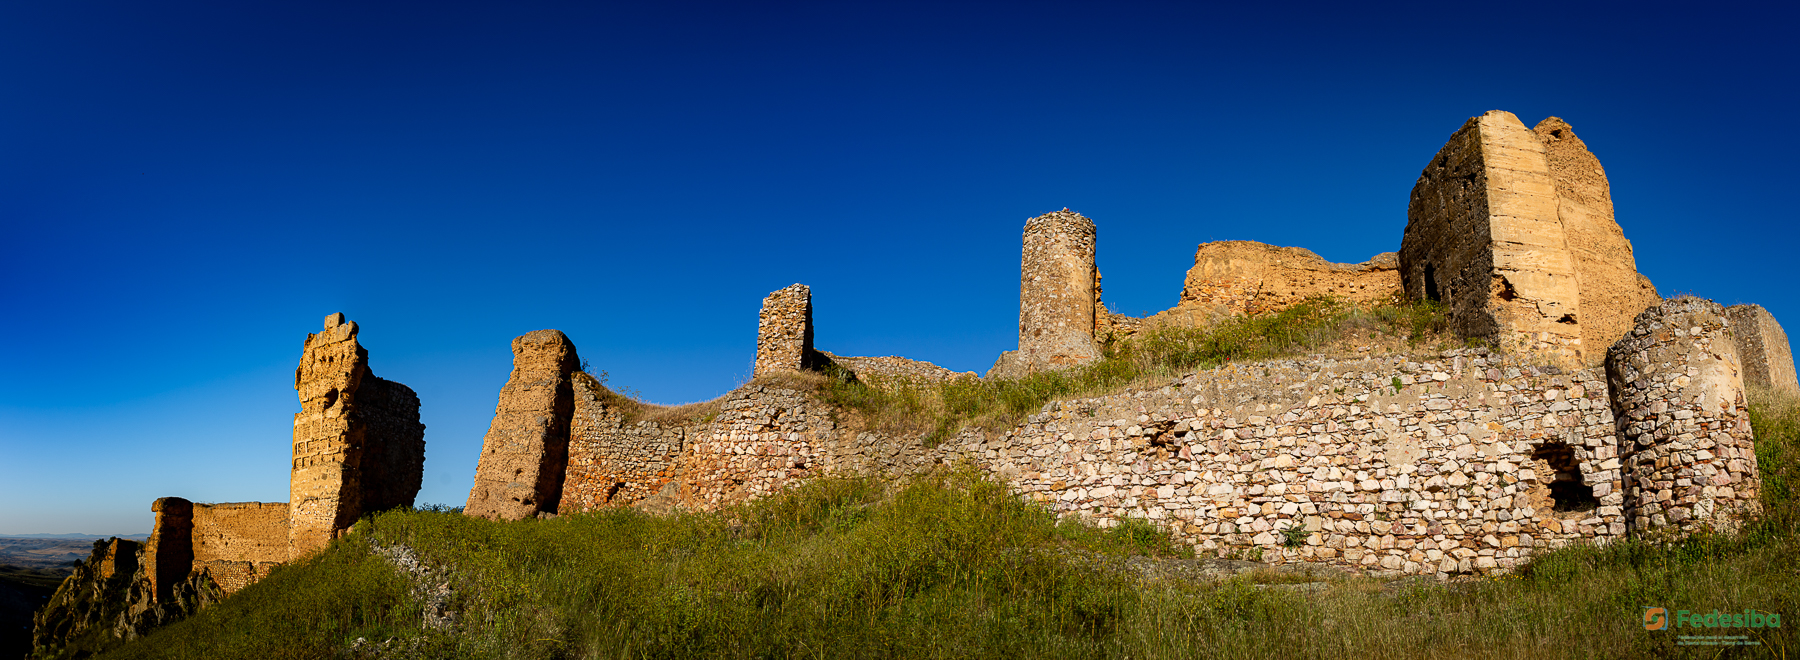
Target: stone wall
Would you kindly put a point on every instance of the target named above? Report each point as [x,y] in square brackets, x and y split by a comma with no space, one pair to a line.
[169,552]
[784,332]
[613,461]
[1238,278]
[1763,348]
[1677,381]
[240,542]
[524,455]
[1059,290]
[358,443]
[1455,464]
[891,372]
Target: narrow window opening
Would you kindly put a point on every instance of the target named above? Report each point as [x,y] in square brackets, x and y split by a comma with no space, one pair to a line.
[1431,285]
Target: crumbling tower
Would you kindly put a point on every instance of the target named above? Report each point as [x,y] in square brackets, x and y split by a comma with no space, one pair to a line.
[1059,291]
[526,450]
[784,332]
[1512,230]
[358,443]
[1685,439]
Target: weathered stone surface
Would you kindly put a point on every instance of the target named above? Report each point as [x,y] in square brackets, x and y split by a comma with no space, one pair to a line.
[358,443]
[1686,443]
[613,462]
[1483,236]
[1612,292]
[525,453]
[784,333]
[1238,278]
[238,543]
[1059,292]
[109,597]
[1763,346]
[1513,230]
[169,552]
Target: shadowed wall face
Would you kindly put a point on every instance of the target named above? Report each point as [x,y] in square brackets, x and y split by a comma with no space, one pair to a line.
[526,449]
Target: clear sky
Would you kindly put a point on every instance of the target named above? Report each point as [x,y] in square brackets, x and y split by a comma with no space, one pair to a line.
[187,189]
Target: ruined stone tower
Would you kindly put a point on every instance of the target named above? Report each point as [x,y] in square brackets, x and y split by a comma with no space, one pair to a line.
[1685,440]
[358,443]
[1512,230]
[1763,346]
[526,450]
[1059,292]
[784,332]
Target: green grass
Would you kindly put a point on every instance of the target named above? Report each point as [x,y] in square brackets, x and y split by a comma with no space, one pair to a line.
[939,410]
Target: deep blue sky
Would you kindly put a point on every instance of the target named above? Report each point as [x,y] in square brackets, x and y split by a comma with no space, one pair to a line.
[186,189]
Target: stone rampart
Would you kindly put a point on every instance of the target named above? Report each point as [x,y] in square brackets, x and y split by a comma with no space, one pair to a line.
[240,542]
[1763,348]
[525,453]
[891,372]
[1678,386]
[1239,278]
[611,460]
[169,552]
[1453,464]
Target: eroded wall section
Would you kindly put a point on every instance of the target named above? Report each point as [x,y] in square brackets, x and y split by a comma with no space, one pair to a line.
[239,543]
[525,453]
[1240,278]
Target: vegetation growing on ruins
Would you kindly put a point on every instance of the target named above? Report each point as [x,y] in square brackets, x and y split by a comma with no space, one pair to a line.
[1147,359]
[954,566]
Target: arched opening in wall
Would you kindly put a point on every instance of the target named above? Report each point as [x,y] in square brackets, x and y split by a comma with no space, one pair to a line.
[1431,285]
[1559,471]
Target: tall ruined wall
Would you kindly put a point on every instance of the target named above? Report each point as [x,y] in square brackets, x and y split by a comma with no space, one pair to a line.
[239,542]
[784,332]
[1238,278]
[525,453]
[1611,290]
[169,552]
[1677,384]
[358,443]
[1058,296]
[1483,236]
[1763,348]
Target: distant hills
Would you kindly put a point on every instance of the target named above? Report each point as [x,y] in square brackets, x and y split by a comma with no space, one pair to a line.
[76,537]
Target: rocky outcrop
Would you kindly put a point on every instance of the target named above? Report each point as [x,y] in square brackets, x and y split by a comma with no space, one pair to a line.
[524,455]
[1241,278]
[110,598]
[358,443]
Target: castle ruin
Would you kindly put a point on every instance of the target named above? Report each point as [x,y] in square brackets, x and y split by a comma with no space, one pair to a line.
[1763,348]
[523,456]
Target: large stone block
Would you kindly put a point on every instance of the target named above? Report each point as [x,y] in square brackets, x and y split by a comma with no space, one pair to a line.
[358,443]
[169,552]
[1678,396]
[526,450]
[1512,229]
[1763,346]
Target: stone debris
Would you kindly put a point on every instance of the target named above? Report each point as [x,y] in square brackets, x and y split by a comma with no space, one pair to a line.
[526,449]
